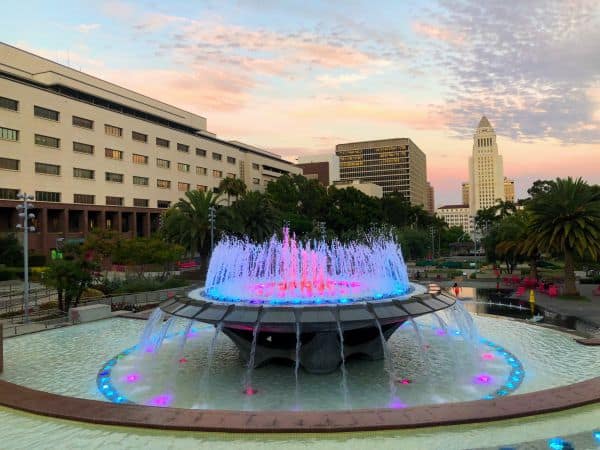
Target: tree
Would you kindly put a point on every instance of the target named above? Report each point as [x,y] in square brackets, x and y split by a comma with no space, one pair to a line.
[486,218]
[187,222]
[70,276]
[566,219]
[142,252]
[515,242]
[539,187]
[254,216]
[351,209]
[101,244]
[11,250]
[232,186]
[504,208]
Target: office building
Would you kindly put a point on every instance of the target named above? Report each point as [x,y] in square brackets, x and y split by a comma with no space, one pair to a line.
[397,165]
[509,190]
[370,189]
[323,167]
[95,154]
[486,174]
[457,216]
[466,190]
[430,206]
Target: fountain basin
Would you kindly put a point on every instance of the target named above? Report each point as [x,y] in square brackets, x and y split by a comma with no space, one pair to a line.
[322,329]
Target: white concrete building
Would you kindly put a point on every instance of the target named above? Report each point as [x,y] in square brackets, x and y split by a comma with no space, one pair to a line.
[457,216]
[486,173]
[95,154]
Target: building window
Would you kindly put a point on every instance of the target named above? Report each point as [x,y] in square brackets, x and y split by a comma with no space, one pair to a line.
[163,204]
[111,130]
[43,196]
[231,160]
[200,152]
[201,170]
[114,177]
[84,198]
[113,154]
[47,169]
[83,123]
[201,188]
[163,184]
[255,180]
[140,137]
[8,194]
[163,163]
[83,173]
[218,173]
[9,103]
[255,166]
[231,175]
[140,181]
[217,156]
[183,148]
[80,147]
[139,159]
[47,141]
[162,142]
[114,201]
[9,164]
[140,202]
[182,167]
[45,113]
[184,187]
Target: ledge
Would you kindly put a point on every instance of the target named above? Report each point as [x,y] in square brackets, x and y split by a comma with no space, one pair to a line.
[103,413]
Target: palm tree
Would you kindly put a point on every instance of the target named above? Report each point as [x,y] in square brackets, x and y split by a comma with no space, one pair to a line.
[187,222]
[515,241]
[566,219]
[232,186]
[254,216]
[504,208]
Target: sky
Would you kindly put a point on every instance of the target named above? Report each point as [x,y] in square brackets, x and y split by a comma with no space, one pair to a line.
[299,77]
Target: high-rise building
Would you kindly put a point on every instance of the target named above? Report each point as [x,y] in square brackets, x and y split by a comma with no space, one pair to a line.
[394,164]
[486,174]
[370,189]
[430,207]
[509,190]
[466,189]
[97,155]
[324,167]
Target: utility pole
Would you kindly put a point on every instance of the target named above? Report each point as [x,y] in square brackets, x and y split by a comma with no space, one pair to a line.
[25,215]
[211,219]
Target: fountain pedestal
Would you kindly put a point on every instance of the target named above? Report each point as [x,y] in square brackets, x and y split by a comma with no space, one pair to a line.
[319,326]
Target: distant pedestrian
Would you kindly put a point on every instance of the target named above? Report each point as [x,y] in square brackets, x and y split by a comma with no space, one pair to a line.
[456,289]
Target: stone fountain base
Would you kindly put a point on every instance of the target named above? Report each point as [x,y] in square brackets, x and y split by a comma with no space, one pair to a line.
[319,326]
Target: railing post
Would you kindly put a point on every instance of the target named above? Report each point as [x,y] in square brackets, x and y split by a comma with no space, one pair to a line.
[1,348]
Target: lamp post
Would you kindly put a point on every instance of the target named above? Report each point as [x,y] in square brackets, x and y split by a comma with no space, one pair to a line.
[25,215]
[211,219]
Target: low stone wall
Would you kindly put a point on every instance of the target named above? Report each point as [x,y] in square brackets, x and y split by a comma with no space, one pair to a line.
[83,314]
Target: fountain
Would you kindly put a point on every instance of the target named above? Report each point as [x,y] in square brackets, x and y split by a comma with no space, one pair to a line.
[308,302]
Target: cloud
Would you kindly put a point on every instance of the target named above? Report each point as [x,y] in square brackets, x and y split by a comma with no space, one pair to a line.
[530,66]
[87,27]
[438,33]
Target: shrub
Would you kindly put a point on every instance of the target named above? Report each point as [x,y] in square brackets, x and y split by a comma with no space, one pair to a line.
[11,273]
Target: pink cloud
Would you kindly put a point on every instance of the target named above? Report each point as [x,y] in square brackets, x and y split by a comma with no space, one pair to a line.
[438,33]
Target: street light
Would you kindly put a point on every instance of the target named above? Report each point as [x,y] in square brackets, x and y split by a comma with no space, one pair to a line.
[211,219]
[25,215]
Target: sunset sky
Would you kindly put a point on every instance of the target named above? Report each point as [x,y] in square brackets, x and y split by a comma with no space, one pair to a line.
[298,77]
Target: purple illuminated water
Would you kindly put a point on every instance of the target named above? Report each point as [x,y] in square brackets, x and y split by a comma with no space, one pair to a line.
[289,270]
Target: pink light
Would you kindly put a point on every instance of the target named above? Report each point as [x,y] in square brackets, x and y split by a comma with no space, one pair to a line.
[482,379]
[149,349]
[440,332]
[250,391]
[404,381]
[161,400]
[487,356]
[132,377]
[183,360]
[397,404]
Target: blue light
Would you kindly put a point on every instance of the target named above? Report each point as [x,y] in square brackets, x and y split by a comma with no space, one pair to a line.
[516,379]
[510,386]
[344,300]
[105,386]
[596,434]
[502,393]
[489,397]
[559,443]
[110,393]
